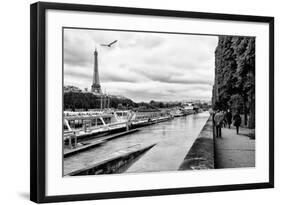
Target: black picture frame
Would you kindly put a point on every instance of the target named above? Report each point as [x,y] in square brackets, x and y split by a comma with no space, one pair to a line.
[38,100]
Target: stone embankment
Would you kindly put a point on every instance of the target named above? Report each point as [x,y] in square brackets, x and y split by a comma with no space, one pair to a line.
[112,164]
[201,154]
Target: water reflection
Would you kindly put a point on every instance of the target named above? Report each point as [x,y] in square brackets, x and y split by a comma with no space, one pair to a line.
[174,139]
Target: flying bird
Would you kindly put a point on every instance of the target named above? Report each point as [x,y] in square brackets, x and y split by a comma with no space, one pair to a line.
[110,44]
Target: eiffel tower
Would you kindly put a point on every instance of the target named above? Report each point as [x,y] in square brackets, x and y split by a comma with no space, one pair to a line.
[96,88]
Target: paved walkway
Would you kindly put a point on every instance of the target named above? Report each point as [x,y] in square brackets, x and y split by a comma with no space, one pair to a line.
[233,151]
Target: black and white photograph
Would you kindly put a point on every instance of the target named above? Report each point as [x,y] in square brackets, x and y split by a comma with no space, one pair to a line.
[148,101]
[135,102]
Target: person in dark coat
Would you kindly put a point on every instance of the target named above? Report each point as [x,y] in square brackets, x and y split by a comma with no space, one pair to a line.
[237,121]
[219,116]
[228,117]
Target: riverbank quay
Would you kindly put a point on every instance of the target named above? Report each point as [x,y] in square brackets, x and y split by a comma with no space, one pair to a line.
[96,142]
[113,163]
[201,154]
[234,151]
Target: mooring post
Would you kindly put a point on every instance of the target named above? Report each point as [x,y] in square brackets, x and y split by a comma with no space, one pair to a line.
[85,128]
[69,142]
[127,126]
[75,141]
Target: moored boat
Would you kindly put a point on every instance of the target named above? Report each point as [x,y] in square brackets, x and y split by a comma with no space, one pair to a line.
[84,125]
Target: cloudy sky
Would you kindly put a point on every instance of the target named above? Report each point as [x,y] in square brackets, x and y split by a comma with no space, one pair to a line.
[142,66]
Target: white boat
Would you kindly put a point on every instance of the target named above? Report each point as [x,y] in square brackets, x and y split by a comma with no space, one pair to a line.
[86,124]
[81,125]
[177,113]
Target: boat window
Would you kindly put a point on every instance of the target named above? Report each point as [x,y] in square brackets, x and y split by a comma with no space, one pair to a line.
[99,122]
[107,120]
[65,127]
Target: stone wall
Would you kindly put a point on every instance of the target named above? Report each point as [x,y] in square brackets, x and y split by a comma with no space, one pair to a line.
[201,154]
[112,165]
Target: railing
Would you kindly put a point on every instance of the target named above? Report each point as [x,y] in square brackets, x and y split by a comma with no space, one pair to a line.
[70,136]
[87,121]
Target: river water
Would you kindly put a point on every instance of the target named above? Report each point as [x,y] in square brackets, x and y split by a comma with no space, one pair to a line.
[173,140]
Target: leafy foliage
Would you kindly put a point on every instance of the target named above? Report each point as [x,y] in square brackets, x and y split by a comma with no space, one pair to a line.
[235,76]
[84,100]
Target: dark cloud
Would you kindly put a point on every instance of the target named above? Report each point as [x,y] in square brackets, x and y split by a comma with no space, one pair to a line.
[166,93]
[75,54]
[143,41]
[105,78]
[77,74]
[117,78]
[74,58]
[173,77]
[189,81]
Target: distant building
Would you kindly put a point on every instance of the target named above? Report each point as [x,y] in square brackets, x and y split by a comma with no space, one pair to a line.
[70,88]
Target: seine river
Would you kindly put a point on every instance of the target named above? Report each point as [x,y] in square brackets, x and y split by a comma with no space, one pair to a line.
[173,140]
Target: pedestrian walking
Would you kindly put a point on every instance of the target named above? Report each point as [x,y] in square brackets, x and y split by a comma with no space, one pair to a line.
[224,119]
[237,122]
[218,123]
[228,118]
